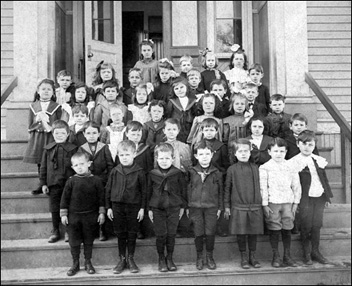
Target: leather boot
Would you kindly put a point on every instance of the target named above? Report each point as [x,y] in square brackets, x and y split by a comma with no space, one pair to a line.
[307,259]
[89,267]
[199,262]
[66,237]
[253,261]
[55,236]
[244,260]
[120,266]
[162,263]
[210,260]
[318,257]
[287,260]
[102,236]
[74,268]
[276,262]
[169,262]
[37,191]
[132,265]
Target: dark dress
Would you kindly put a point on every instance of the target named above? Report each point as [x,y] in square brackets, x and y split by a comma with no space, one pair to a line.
[259,154]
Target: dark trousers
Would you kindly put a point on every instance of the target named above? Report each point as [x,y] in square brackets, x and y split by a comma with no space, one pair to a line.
[204,220]
[209,243]
[55,193]
[82,228]
[126,240]
[242,241]
[125,217]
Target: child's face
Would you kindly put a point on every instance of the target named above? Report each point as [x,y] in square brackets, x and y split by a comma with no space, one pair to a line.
[126,157]
[209,132]
[257,127]
[204,157]
[141,95]
[60,135]
[208,105]
[239,105]
[80,118]
[298,126]
[219,90]
[81,165]
[243,153]
[45,91]
[306,148]
[256,76]
[116,115]
[171,131]
[64,81]
[81,94]
[106,74]
[180,89]
[238,61]
[164,160]
[278,153]
[110,94]
[134,135]
[210,61]
[193,80]
[277,106]
[251,93]
[186,66]
[156,113]
[146,51]
[134,78]
[164,74]
[92,134]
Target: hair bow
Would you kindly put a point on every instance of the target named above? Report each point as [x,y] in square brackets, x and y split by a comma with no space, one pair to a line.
[235,47]
[99,65]
[204,52]
[149,40]
[163,60]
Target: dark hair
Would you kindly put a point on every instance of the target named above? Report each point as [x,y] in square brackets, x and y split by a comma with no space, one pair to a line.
[45,81]
[299,117]
[204,60]
[91,124]
[166,65]
[218,82]
[155,102]
[217,106]
[136,70]
[177,80]
[110,84]
[277,97]
[64,73]
[241,141]
[173,121]
[60,124]
[209,122]
[306,136]
[257,67]
[163,147]
[134,126]
[79,154]
[102,66]
[260,118]
[277,142]
[203,144]
[134,95]
[77,108]
[88,91]
[146,43]
[245,64]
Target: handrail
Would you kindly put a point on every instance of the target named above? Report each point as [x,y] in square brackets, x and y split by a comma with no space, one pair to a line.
[7,90]
[329,105]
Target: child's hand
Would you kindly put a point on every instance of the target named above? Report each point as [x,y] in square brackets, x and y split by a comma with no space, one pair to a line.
[101,219]
[140,215]
[248,115]
[67,96]
[218,214]
[150,87]
[267,211]
[294,209]
[227,213]
[90,105]
[110,214]
[181,213]
[64,220]
[187,213]
[150,214]
[327,204]
[45,189]
[174,74]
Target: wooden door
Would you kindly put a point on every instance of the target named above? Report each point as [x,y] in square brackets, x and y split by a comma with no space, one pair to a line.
[184,30]
[103,36]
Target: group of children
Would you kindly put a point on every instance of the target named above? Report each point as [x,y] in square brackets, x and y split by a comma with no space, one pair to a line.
[207,151]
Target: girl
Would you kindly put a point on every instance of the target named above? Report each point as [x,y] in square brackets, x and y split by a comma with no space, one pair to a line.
[135,78]
[43,111]
[210,63]
[260,142]
[140,105]
[209,103]
[147,63]
[238,74]
[182,106]
[162,86]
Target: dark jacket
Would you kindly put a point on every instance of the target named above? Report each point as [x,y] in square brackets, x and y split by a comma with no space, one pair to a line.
[264,96]
[279,124]
[126,185]
[259,154]
[76,138]
[127,95]
[154,135]
[167,189]
[292,148]
[162,90]
[259,109]
[208,193]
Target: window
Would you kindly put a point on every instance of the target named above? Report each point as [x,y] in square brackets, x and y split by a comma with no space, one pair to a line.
[102,20]
[228,25]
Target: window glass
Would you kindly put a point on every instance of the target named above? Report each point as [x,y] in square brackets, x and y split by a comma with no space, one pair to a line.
[102,21]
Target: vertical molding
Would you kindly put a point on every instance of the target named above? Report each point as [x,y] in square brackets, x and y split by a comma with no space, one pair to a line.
[118,37]
[210,11]
[247,29]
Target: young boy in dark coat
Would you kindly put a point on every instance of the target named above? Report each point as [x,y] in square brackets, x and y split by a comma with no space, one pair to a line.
[55,169]
[82,202]
[167,200]
[80,117]
[205,202]
[125,199]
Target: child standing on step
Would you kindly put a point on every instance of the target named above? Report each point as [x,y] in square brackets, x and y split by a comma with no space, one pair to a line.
[82,202]
[162,85]
[135,78]
[65,87]
[186,64]
[243,202]
[139,107]
[80,117]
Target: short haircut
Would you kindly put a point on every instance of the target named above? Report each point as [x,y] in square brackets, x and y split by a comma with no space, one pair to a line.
[209,122]
[110,84]
[64,73]
[260,118]
[126,145]
[306,136]
[91,124]
[155,102]
[250,85]
[277,97]
[174,121]
[257,67]
[134,126]
[187,58]
[166,65]
[218,82]
[299,117]
[116,106]
[241,141]
[204,60]
[57,124]
[77,108]
[80,155]
[277,142]
[237,96]
[139,71]
[193,72]
[203,144]
[164,147]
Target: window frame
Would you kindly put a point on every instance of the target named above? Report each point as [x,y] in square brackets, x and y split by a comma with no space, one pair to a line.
[111,19]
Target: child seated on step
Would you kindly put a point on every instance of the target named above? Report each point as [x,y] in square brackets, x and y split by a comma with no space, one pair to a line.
[81,209]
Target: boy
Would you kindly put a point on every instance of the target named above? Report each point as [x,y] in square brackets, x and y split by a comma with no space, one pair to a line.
[316,194]
[65,88]
[185,65]
[256,73]
[80,117]
[167,199]
[251,93]
[194,78]
[205,202]
[135,78]
[55,169]
[125,198]
[219,87]
[82,202]
[281,192]
[278,120]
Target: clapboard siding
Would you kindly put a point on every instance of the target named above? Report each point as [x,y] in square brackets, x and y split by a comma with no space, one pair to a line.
[7,50]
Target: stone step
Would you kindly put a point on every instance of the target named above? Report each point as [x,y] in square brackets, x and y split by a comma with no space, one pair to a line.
[14,163]
[23,203]
[13,147]
[37,253]
[14,182]
[227,273]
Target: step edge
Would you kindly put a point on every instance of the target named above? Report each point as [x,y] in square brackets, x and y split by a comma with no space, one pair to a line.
[19,175]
